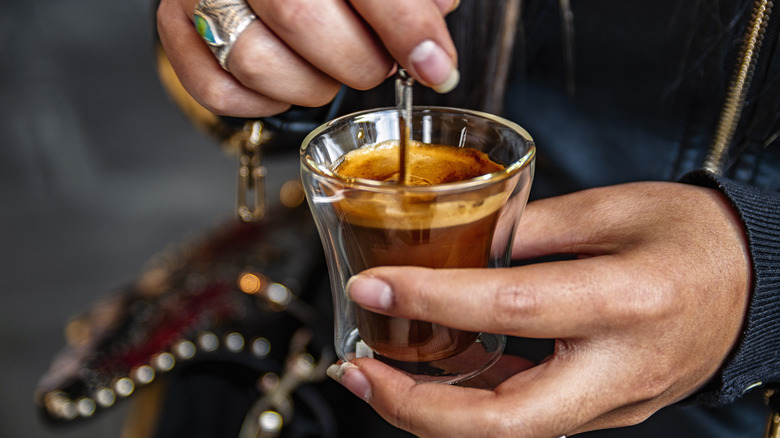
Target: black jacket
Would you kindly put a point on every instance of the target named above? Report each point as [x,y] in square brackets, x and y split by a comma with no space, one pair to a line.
[650,82]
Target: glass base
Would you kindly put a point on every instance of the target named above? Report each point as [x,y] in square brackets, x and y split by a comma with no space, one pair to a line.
[480,356]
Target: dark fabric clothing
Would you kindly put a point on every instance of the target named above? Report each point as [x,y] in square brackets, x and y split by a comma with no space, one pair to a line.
[756,361]
[650,80]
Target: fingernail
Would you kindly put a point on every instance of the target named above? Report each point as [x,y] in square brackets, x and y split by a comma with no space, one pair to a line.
[447,6]
[392,71]
[370,292]
[352,378]
[434,66]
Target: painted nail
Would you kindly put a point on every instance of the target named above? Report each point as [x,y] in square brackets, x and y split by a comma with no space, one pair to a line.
[352,378]
[435,67]
[370,292]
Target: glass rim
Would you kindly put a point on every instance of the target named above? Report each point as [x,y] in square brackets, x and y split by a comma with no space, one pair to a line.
[369,184]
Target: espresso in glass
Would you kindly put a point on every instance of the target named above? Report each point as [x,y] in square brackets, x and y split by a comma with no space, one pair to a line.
[466,183]
[405,228]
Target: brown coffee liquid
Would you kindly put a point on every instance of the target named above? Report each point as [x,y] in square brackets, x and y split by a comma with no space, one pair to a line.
[381,230]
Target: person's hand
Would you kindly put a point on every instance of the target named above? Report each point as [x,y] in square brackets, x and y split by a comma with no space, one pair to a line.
[644,317]
[299,52]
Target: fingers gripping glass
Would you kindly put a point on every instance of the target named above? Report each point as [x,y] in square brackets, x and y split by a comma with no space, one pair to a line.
[465,224]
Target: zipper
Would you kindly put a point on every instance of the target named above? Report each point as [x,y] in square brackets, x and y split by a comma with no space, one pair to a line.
[740,84]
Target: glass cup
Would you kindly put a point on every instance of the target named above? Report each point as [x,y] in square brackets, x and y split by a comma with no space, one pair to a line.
[465,224]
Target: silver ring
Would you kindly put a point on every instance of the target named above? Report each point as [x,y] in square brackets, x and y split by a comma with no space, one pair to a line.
[220,22]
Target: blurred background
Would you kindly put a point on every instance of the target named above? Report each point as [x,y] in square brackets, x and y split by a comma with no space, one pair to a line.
[99,171]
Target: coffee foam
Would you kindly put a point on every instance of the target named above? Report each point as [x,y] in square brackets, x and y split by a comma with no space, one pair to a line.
[429,165]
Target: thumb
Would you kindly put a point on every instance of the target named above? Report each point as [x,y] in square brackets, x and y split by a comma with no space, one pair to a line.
[542,402]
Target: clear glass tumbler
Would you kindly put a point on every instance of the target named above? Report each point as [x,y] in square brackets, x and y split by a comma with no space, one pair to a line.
[465,224]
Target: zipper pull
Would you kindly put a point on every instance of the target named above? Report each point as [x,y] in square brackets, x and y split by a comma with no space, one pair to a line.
[251,197]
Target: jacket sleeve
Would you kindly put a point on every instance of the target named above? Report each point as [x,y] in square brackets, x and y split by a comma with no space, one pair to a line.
[755,362]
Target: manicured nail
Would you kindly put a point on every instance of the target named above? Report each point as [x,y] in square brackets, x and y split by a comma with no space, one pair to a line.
[435,67]
[370,292]
[447,6]
[352,378]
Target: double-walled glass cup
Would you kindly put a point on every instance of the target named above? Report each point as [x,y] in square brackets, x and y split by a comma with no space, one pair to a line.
[465,224]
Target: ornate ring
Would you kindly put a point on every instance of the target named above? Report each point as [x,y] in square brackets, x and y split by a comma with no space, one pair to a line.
[220,22]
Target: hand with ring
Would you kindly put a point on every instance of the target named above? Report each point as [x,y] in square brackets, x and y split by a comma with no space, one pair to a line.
[255,58]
